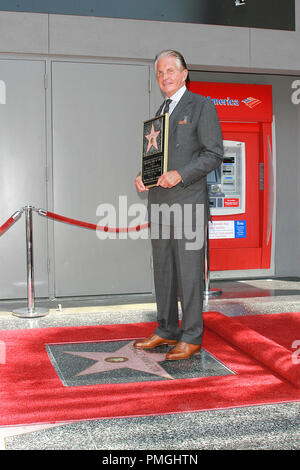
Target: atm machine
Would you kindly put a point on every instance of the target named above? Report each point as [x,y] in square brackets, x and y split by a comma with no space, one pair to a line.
[241,190]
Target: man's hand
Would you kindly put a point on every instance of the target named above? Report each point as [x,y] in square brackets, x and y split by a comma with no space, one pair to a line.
[138,182]
[169,179]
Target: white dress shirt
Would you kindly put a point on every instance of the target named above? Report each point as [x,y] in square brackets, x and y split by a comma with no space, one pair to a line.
[176,98]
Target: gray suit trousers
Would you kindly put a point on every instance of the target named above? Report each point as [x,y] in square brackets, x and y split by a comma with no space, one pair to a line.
[178,271]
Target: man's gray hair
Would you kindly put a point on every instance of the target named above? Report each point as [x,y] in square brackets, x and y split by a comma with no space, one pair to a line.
[170,53]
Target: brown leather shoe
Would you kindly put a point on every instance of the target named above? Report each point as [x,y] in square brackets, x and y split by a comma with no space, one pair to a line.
[183,351]
[153,341]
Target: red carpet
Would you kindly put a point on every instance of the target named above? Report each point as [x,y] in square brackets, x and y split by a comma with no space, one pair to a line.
[259,349]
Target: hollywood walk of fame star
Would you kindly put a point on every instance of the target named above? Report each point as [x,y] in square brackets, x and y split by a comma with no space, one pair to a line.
[152,139]
[125,357]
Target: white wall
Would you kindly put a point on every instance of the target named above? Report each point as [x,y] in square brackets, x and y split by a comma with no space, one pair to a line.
[204,46]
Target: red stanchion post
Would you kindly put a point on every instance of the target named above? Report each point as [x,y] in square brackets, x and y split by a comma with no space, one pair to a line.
[30,311]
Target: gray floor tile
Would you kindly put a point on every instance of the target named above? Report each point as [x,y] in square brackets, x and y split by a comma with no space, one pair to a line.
[73,436]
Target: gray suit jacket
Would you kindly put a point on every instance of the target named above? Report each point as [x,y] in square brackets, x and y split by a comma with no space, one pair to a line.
[195,148]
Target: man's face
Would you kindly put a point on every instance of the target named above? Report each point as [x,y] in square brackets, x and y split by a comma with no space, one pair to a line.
[170,78]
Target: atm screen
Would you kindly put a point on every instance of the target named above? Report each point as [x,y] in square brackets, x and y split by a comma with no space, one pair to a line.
[226,184]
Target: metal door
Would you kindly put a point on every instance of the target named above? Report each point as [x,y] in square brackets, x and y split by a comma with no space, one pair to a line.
[22,172]
[98,110]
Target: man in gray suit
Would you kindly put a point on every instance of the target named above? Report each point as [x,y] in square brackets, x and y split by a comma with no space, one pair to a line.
[195,148]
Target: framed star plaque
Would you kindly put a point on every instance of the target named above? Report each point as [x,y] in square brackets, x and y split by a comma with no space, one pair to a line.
[155,149]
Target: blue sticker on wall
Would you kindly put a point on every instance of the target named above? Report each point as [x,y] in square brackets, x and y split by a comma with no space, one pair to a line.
[240,228]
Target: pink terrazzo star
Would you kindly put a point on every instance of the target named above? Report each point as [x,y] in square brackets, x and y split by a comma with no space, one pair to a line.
[152,139]
[126,357]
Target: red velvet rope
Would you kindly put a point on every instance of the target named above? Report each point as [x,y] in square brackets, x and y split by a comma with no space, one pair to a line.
[6,225]
[79,223]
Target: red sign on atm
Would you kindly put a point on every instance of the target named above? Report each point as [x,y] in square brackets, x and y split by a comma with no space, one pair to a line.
[231,202]
[238,101]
